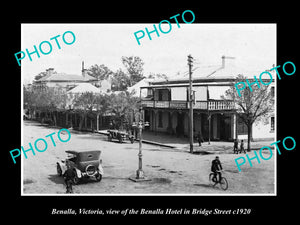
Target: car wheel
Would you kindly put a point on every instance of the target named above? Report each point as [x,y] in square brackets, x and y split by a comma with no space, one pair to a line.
[120,139]
[98,176]
[90,170]
[58,169]
[75,179]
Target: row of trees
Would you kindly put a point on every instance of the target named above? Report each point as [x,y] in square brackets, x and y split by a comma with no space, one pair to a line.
[119,106]
[120,79]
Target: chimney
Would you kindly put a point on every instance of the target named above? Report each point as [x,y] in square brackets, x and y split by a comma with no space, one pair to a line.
[83,71]
[223,61]
[49,71]
[231,62]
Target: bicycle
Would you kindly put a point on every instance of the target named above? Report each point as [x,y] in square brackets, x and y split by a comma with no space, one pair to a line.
[214,181]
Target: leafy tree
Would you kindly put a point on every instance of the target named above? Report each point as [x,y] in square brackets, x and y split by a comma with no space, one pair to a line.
[157,76]
[29,101]
[47,100]
[50,100]
[252,105]
[134,66]
[120,81]
[84,103]
[41,74]
[102,103]
[101,72]
[122,106]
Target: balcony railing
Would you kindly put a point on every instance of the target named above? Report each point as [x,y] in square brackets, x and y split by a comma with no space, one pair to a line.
[162,104]
[220,105]
[200,105]
[149,104]
[204,105]
[178,104]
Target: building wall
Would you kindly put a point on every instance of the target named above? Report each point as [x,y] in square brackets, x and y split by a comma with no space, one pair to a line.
[261,131]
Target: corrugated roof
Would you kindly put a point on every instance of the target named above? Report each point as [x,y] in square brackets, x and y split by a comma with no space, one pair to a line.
[209,74]
[220,72]
[66,77]
[85,87]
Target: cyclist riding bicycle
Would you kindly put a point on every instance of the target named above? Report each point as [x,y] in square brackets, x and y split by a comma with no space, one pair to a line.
[216,167]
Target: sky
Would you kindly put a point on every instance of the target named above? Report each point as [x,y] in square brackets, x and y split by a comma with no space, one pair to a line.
[252,45]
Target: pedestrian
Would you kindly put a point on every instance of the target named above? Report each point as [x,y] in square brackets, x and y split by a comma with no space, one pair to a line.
[200,138]
[69,175]
[235,146]
[242,147]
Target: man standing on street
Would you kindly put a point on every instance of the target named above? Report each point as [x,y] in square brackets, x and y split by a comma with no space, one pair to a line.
[200,138]
[69,175]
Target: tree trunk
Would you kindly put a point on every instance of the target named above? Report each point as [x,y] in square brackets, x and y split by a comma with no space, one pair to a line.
[85,122]
[97,125]
[249,136]
[53,116]
[66,121]
[82,119]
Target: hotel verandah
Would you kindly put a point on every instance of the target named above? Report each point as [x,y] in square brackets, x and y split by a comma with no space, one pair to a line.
[165,105]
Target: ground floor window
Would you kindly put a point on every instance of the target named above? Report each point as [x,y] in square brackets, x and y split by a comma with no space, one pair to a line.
[272,123]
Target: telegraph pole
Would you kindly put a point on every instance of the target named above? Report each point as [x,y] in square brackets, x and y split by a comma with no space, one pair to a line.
[190,98]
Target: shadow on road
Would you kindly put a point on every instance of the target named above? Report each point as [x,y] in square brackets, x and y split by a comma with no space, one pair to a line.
[92,137]
[203,185]
[232,171]
[202,152]
[160,180]
[56,179]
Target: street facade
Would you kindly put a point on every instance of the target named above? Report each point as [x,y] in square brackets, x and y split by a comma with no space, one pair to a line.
[160,116]
[171,171]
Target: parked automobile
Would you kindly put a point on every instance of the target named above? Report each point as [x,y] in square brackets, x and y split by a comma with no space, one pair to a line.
[120,135]
[86,164]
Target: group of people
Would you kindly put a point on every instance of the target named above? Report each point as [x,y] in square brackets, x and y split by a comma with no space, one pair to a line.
[236,148]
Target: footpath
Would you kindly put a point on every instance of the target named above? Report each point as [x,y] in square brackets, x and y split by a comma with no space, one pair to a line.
[181,143]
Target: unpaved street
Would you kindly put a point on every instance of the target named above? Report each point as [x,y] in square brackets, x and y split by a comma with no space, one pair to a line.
[173,171]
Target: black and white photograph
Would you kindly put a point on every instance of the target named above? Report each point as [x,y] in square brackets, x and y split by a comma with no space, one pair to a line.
[106,115]
[149,111]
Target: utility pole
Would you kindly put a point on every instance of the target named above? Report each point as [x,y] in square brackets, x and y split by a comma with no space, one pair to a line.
[190,98]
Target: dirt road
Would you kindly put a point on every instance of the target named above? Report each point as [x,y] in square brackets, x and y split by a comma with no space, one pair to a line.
[172,171]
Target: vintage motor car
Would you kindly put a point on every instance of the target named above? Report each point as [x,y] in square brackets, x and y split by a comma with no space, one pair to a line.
[86,164]
[119,135]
